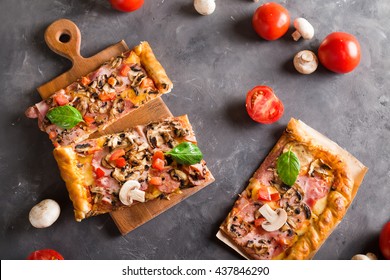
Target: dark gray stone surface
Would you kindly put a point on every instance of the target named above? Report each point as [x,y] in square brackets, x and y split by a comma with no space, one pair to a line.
[213,61]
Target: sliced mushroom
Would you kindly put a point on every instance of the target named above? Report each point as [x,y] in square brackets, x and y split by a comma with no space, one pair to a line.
[179,175]
[275,219]
[130,192]
[320,167]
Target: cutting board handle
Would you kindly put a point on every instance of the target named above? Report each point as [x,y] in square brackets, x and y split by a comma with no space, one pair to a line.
[63,37]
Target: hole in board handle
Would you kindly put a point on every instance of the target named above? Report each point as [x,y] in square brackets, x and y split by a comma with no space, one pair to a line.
[64,38]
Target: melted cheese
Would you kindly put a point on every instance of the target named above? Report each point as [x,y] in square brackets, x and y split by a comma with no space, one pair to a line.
[133,58]
[302,153]
[320,205]
[87,169]
[129,94]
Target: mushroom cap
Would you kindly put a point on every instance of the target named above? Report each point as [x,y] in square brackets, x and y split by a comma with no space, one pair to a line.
[368,256]
[204,7]
[305,62]
[304,28]
[44,214]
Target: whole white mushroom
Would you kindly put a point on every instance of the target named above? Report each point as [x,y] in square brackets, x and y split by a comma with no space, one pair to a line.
[204,7]
[44,214]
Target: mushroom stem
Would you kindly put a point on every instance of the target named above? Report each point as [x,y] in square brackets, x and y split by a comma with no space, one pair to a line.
[275,219]
[305,62]
[296,35]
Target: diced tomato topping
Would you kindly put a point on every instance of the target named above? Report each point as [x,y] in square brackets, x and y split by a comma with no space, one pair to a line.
[85,81]
[117,154]
[266,194]
[124,70]
[52,134]
[99,173]
[155,181]
[147,83]
[89,120]
[107,96]
[158,154]
[120,162]
[158,160]
[93,150]
[111,81]
[259,221]
[158,164]
[56,145]
[61,99]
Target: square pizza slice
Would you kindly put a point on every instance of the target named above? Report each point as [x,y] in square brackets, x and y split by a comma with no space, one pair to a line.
[140,164]
[295,199]
[103,96]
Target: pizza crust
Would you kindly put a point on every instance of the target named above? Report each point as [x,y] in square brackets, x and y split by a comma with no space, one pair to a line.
[74,179]
[153,67]
[351,173]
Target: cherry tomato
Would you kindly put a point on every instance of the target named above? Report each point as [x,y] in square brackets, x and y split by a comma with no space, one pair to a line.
[126,5]
[45,254]
[339,52]
[271,21]
[384,241]
[263,105]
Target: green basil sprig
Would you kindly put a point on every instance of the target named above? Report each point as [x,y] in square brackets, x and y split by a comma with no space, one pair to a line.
[186,153]
[65,117]
[287,167]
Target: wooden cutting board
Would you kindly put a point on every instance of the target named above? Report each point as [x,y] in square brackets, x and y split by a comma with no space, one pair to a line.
[64,38]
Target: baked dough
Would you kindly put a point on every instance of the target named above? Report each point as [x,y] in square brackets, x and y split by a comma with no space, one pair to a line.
[102,97]
[339,185]
[94,179]
[153,67]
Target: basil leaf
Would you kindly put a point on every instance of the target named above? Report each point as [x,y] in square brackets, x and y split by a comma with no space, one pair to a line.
[186,153]
[288,166]
[65,117]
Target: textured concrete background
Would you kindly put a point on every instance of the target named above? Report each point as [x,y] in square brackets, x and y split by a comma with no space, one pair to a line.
[213,61]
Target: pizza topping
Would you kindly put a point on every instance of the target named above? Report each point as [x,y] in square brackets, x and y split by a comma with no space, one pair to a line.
[163,135]
[288,167]
[65,117]
[130,191]
[186,153]
[274,219]
[314,188]
[319,169]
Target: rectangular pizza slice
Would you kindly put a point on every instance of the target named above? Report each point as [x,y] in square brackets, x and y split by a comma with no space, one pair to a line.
[137,165]
[103,96]
[295,199]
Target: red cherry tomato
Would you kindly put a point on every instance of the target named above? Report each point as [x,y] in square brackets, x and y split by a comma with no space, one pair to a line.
[271,21]
[263,105]
[45,254]
[339,52]
[384,241]
[126,5]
